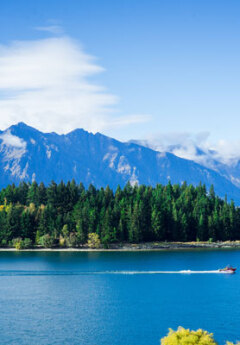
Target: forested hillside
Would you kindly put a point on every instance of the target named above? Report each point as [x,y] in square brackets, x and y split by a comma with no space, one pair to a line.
[65,214]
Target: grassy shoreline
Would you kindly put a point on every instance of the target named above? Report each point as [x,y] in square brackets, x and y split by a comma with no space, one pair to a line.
[147,246]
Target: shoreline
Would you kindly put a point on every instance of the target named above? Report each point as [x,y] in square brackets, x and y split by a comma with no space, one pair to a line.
[127,247]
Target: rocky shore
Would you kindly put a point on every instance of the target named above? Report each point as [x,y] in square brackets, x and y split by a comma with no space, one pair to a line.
[174,245]
[179,245]
[143,246]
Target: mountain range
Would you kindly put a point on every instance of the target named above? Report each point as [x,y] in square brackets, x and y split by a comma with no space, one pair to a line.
[228,167]
[27,154]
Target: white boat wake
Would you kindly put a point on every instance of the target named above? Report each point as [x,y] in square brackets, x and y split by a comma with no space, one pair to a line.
[165,272]
[82,273]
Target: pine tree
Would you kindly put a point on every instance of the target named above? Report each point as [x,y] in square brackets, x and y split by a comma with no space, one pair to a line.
[33,194]
[81,232]
[42,193]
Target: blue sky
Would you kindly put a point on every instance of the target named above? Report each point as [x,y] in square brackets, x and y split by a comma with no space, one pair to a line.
[173,66]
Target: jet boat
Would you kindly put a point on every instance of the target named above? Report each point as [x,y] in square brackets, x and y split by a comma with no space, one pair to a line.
[227,269]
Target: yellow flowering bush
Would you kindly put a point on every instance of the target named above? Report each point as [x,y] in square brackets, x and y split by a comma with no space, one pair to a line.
[93,240]
[186,337]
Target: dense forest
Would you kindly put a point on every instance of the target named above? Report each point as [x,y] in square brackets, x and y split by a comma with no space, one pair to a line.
[65,214]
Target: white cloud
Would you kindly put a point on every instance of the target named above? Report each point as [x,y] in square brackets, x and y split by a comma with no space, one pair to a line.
[125,121]
[198,148]
[52,29]
[8,139]
[46,84]
[227,152]
[183,145]
[12,148]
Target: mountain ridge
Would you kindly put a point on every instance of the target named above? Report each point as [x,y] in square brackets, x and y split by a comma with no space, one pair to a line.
[209,158]
[27,154]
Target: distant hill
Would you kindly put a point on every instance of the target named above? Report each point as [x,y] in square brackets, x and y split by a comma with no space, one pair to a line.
[28,154]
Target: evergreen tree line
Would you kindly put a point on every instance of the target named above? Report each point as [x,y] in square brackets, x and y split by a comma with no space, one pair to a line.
[65,214]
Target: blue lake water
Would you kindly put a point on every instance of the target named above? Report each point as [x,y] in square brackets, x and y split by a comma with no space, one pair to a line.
[85,298]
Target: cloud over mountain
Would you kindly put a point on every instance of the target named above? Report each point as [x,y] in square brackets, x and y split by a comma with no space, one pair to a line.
[197,147]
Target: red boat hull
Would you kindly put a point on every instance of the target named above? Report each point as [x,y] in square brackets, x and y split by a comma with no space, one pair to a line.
[228,270]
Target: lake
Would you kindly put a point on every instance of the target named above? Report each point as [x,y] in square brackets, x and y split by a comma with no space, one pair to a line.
[86,298]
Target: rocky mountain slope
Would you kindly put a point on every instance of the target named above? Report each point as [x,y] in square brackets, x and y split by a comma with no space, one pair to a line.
[28,154]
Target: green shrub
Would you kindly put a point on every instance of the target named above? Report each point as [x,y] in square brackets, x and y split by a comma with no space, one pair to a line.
[72,240]
[37,239]
[27,243]
[17,243]
[62,241]
[4,243]
[46,241]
